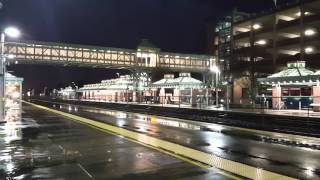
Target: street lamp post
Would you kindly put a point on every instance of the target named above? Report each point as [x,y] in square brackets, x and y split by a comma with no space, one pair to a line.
[216,71]
[11,32]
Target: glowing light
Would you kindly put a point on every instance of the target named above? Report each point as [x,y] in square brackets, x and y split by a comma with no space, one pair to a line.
[261,42]
[309,171]
[10,167]
[299,13]
[256,26]
[10,56]
[12,32]
[216,128]
[214,69]
[308,50]
[121,123]
[309,32]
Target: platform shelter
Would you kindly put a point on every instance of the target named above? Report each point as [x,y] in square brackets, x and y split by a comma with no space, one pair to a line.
[295,87]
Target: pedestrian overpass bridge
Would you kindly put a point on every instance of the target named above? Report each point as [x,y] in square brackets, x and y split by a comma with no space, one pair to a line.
[145,57]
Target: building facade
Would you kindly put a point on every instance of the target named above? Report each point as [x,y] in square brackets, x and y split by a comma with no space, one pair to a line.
[122,89]
[169,90]
[262,44]
[181,90]
[66,93]
[296,87]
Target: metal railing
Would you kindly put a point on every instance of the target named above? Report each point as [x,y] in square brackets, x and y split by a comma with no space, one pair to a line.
[199,102]
[285,105]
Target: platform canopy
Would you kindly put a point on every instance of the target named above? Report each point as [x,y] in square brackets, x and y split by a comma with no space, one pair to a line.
[125,82]
[295,74]
[11,79]
[183,81]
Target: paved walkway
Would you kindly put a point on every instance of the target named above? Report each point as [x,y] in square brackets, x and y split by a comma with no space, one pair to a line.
[44,145]
[199,156]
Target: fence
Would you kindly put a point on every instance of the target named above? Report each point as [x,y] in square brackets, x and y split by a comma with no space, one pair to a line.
[260,103]
[199,101]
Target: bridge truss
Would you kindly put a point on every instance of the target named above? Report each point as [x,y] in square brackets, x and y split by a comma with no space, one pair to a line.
[35,52]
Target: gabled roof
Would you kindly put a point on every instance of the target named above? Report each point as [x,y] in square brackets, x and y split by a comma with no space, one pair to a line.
[293,69]
[188,80]
[180,82]
[295,74]
[11,77]
[292,72]
[162,81]
[122,83]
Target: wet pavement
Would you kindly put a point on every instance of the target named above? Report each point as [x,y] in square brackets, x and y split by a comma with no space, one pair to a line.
[285,154]
[42,145]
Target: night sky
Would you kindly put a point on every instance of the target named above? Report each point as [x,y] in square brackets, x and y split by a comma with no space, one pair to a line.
[172,25]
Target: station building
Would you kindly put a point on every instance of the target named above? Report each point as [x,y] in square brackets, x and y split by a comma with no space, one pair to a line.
[67,93]
[251,46]
[122,89]
[295,87]
[181,90]
[169,90]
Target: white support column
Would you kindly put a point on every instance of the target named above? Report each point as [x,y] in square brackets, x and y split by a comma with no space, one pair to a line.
[316,97]
[2,79]
[276,97]
[162,95]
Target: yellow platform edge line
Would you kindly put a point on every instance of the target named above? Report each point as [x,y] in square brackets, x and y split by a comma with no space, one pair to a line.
[198,156]
[185,159]
[177,156]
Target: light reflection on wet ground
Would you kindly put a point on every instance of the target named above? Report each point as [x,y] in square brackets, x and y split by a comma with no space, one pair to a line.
[297,157]
[147,119]
[178,123]
[46,146]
